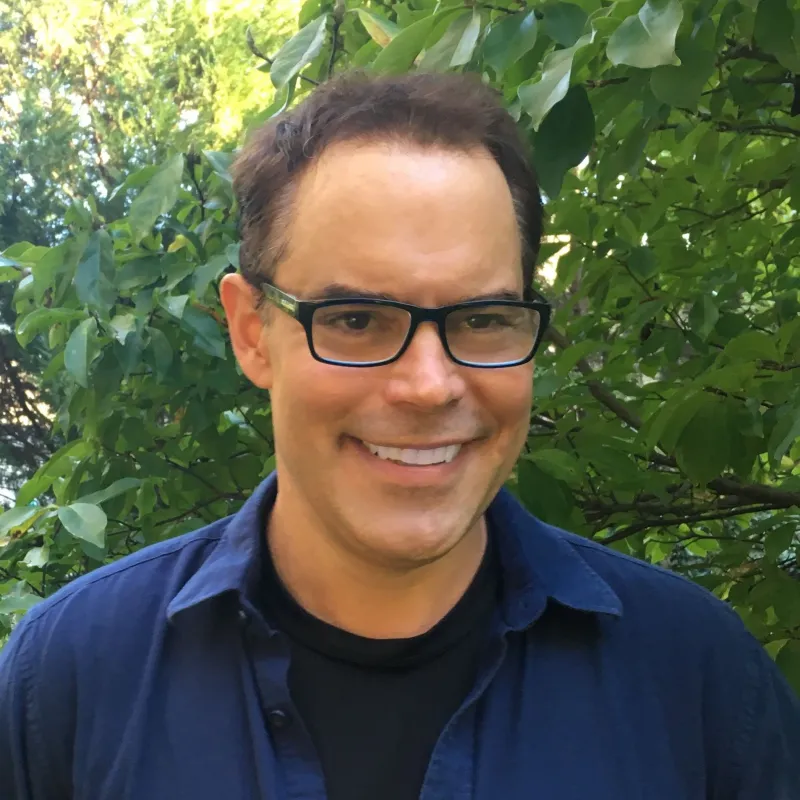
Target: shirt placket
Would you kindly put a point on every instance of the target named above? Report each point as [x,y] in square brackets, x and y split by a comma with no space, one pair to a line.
[267,651]
[451,767]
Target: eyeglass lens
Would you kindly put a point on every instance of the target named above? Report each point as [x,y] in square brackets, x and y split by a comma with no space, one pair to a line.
[363,333]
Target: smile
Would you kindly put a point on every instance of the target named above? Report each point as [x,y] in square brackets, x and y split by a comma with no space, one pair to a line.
[414,456]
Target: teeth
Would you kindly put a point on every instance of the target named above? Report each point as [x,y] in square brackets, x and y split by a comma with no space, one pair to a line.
[438,455]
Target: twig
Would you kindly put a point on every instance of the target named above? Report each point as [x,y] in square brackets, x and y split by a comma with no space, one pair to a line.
[251,44]
[638,527]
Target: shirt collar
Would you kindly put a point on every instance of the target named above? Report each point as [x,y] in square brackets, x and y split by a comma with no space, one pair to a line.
[538,563]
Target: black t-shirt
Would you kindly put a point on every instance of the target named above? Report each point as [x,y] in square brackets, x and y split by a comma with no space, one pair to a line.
[375,707]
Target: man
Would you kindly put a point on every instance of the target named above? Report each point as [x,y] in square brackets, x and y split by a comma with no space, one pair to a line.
[381,620]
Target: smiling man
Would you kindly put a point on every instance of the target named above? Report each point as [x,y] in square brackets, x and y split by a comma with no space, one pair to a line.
[382,620]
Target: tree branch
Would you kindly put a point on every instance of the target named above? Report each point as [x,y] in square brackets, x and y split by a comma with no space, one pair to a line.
[638,527]
[601,393]
[776,497]
[251,44]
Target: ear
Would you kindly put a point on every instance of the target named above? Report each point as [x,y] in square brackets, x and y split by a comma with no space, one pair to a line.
[247,330]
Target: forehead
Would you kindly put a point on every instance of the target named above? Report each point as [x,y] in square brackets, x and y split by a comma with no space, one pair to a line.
[400,217]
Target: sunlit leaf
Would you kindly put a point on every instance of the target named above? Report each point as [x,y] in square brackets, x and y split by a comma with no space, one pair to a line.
[509,39]
[157,197]
[647,39]
[378,27]
[85,521]
[539,97]
[76,353]
[298,52]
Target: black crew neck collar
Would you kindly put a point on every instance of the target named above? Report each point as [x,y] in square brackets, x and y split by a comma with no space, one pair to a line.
[474,607]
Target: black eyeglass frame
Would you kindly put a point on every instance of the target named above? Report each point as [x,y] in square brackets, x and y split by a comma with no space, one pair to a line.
[303,311]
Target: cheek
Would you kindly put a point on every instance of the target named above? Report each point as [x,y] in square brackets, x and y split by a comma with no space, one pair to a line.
[313,394]
[507,396]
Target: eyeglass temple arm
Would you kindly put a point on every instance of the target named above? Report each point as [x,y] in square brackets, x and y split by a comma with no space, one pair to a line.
[280,299]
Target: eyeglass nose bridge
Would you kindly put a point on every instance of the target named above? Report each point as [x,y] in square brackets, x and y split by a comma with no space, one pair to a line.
[438,316]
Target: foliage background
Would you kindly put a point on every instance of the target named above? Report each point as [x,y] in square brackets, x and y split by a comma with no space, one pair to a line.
[666,135]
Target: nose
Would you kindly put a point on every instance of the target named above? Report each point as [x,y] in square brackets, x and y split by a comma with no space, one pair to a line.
[425,376]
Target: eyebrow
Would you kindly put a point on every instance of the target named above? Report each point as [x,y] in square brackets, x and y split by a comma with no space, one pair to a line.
[341,291]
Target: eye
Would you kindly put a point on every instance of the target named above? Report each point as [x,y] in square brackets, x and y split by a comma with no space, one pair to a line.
[485,321]
[349,320]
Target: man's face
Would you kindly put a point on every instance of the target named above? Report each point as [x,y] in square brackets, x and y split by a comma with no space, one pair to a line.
[428,227]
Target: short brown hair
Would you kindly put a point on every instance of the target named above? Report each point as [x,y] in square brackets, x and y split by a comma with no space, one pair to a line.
[429,109]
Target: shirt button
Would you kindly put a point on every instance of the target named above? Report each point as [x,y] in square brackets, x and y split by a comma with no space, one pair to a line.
[242,616]
[278,718]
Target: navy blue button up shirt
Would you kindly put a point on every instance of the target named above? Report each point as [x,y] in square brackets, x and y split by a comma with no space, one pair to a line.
[606,678]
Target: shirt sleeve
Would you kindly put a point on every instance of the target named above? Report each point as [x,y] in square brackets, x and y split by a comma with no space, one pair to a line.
[767,739]
[32,735]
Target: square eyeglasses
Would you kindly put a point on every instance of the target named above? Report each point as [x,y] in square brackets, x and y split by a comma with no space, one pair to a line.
[371,332]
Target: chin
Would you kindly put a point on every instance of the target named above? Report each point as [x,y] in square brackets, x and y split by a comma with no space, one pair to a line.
[407,543]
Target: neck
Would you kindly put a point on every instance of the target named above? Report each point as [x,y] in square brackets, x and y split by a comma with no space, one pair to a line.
[358,594]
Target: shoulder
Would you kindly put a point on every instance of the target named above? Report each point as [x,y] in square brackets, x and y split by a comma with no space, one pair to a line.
[702,656]
[126,595]
[652,592]
[664,615]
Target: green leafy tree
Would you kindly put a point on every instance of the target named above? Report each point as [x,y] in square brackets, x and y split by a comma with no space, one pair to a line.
[91,91]
[667,413]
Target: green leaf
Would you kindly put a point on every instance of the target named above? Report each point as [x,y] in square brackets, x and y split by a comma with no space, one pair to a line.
[773,31]
[76,352]
[508,40]
[457,42]
[557,463]
[366,53]
[17,520]
[207,335]
[41,319]
[220,163]
[467,42]
[378,27]
[135,180]
[210,271]
[751,346]
[642,263]
[564,22]
[655,551]
[37,556]
[682,86]
[299,51]
[174,304]
[157,198]
[399,54]
[784,434]
[567,360]
[11,273]
[122,325]
[539,97]
[667,423]
[564,139]
[139,273]
[85,521]
[543,495]
[160,352]
[647,39]
[702,451]
[117,488]
[61,461]
[18,600]
[703,316]
[91,282]
[232,254]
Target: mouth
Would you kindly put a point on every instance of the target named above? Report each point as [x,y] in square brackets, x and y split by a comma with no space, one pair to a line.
[421,467]
[413,456]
